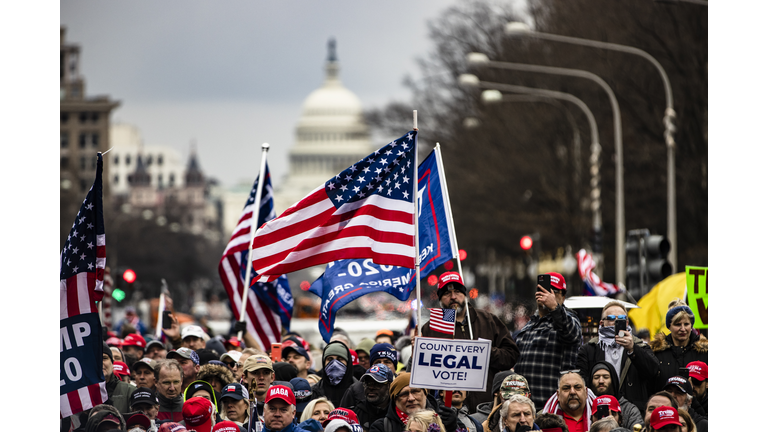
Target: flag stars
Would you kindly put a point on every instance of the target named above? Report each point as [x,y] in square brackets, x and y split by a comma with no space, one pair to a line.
[405,194]
[389,192]
[388,152]
[90,266]
[90,225]
[397,185]
[75,269]
[356,189]
[380,188]
[89,206]
[90,245]
[361,195]
[370,160]
[348,178]
[361,179]
[366,170]
[82,256]
[383,161]
[74,250]
[339,198]
[405,146]
[331,186]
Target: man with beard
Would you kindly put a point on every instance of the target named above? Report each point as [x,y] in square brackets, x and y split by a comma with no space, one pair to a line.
[404,401]
[601,383]
[681,389]
[133,349]
[375,382]
[452,293]
[572,401]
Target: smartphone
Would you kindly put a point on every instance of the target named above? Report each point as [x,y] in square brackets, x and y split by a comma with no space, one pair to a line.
[545,281]
[277,352]
[167,321]
[683,372]
[620,324]
[603,411]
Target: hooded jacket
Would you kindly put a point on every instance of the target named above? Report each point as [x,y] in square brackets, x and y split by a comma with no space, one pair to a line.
[504,351]
[170,409]
[483,410]
[630,412]
[93,422]
[672,358]
[391,422]
[367,412]
[636,371]
[334,393]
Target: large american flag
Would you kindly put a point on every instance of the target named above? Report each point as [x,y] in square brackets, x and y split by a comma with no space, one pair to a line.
[262,321]
[442,320]
[81,274]
[593,286]
[366,211]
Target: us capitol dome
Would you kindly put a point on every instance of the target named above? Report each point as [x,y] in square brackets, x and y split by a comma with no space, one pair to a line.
[330,136]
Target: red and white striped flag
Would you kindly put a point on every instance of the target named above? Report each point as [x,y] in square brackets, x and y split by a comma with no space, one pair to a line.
[366,211]
[81,272]
[442,320]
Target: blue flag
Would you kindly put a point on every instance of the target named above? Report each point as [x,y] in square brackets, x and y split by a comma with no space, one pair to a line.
[347,280]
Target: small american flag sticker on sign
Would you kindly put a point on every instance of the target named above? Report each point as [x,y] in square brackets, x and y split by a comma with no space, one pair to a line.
[442,320]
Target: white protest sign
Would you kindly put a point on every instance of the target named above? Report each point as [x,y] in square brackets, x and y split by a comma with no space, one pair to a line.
[446,364]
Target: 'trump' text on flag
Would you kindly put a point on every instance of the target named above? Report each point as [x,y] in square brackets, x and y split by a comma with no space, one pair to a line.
[81,272]
[366,211]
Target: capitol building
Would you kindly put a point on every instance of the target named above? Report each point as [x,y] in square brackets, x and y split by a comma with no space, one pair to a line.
[330,136]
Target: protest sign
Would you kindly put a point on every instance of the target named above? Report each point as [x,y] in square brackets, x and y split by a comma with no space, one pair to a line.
[698,294]
[446,364]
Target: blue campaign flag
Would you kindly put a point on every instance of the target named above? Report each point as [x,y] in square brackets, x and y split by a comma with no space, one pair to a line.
[347,280]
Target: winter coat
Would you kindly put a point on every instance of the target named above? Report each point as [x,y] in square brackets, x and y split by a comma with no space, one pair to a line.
[334,393]
[354,395]
[391,422]
[482,411]
[367,413]
[92,425]
[310,425]
[672,358]
[491,424]
[548,345]
[119,394]
[636,371]
[504,352]
[170,409]
[466,422]
[700,404]
[629,411]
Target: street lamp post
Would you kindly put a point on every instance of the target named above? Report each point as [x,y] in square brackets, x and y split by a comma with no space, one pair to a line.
[480,59]
[522,29]
[492,95]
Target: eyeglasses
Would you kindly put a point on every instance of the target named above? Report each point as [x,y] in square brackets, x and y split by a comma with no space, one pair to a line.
[570,371]
[413,392]
[614,317]
[233,365]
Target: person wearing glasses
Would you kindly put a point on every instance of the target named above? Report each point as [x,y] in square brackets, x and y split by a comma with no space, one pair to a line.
[406,400]
[632,359]
[232,360]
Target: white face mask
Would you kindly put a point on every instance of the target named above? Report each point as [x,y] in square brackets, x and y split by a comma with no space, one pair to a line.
[136,429]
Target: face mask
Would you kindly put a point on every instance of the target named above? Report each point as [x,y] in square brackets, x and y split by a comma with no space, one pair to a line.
[335,371]
[136,429]
[607,332]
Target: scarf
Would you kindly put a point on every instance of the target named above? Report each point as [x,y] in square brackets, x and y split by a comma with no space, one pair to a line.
[402,416]
[553,406]
[613,351]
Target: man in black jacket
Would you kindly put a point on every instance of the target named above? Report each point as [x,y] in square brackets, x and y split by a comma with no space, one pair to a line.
[451,293]
[337,374]
[631,358]
[404,401]
[601,383]
[376,382]
[698,374]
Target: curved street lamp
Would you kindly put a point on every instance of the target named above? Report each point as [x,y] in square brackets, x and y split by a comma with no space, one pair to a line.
[480,59]
[522,29]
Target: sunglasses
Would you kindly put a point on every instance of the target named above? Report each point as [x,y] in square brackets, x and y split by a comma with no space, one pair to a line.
[570,371]
[614,317]
[233,365]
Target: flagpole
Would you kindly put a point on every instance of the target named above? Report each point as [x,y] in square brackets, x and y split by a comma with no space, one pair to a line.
[416,222]
[453,231]
[160,309]
[254,221]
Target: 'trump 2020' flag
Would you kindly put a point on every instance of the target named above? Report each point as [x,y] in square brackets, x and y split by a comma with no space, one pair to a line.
[347,280]
[270,304]
[81,273]
[442,320]
[366,211]
[592,284]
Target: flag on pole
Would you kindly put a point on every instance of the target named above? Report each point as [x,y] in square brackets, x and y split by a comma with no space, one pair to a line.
[593,286]
[347,280]
[442,320]
[81,272]
[366,211]
[270,304]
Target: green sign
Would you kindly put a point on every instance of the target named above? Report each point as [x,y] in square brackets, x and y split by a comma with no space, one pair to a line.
[698,291]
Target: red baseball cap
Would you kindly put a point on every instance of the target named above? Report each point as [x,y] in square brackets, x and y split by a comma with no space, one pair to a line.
[606,400]
[135,339]
[450,278]
[353,354]
[120,369]
[198,414]
[138,419]
[281,392]
[226,426]
[347,415]
[698,370]
[663,416]
[557,280]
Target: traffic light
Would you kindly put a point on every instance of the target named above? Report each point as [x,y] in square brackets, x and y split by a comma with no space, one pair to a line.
[526,242]
[657,266]
[634,271]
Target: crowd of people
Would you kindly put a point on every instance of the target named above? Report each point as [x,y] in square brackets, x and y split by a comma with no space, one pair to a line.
[546,378]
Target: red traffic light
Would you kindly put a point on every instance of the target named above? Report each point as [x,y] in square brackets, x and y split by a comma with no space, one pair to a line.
[432,280]
[526,242]
[448,265]
[462,254]
[129,276]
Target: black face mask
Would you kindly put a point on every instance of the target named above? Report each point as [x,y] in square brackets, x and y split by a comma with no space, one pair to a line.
[522,428]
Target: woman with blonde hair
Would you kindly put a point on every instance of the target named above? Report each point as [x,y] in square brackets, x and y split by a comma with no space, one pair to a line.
[688,424]
[318,409]
[424,421]
[681,346]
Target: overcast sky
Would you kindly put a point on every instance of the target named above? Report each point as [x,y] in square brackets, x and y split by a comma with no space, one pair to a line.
[233,75]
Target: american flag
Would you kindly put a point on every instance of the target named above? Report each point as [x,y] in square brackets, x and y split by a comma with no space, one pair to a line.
[366,211]
[81,274]
[442,320]
[593,286]
[261,296]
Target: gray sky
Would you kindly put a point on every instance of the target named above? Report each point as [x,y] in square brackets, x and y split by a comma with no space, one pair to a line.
[232,75]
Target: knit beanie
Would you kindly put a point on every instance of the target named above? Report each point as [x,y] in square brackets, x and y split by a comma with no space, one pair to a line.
[499,378]
[106,350]
[401,381]
[676,310]
[337,349]
[365,345]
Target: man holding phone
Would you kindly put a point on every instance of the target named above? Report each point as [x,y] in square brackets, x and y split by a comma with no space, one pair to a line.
[631,358]
[542,356]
